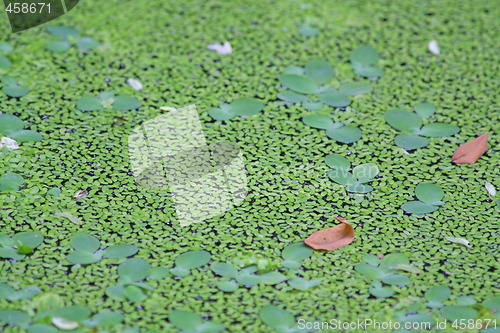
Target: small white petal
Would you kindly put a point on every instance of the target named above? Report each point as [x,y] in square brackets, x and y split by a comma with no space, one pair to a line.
[433,47]
[459,240]
[491,189]
[221,48]
[9,143]
[135,84]
[64,324]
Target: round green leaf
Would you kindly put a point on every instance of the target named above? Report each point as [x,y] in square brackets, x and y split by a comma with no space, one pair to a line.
[220,114]
[6,291]
[371,259]
[12,177]
[120,251]
[312,106]
[307,30]
[134,269]
[75,313]
[338,162]
[87,43]
[63,32]
[458,312]
[272,278]
[6,47]
[58,46]
[418,207]
[89,103]
[345,134]
[125,103]
[158,273]
[294,70]
[429,193]
[355,88]
[318,120]
[381,292]
[291,264]
[273,316]
[55,192]
[224,269]
[438,294]
[292,97]
[179,271]
[298,83]
[297,252]
[26,136]
[83,257]
[341,177]
[227,286]
[335,99]
[8,252]
[42,328]
[365,171]
[359,188]
[492,303]
[396,279]
[369,271]
[9,186]
[303,284]
[466,300]
[185,320]
[403,120]
[211,327]
[82,241]
[439,130]
[107,318]
[407,141]
[5,62]
[424,109]
[193,259]
[418,318]
[15,90]
[28,238]
[249,279]
[14,317]
[393,259]
[28,292]
[320,71]
[116,292]
[245,106]
[368,71]
[10,122]
[366,55]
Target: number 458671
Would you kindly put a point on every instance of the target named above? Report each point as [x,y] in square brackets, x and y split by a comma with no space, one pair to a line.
[474,324]
[28,8]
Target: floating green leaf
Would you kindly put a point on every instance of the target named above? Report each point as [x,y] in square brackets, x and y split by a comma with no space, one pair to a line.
[10,122]
[193,259]
[6,48]
[14,317]
[369,271]
[69,216]
[63,32]
[345,134]
[246,106]
[58,46]
[439,130]
[407,141]
[82,241]
[320,71]
[368,71]
[338,162]
[89,103]
[292,97]
[228,286]
[403,120]
[299,83]
[424,109]
[5,62]
[272,278]
[308,30]
[380,292]
[371,259]
[459,312]
[356,88]
[134,269]
[429,193]
[334,99]
[302,284]
[318,120]
[275,317]
[26,136]
[87,43]
[120,251]
[366,55]
[436,295]
[224,269]
[125,103]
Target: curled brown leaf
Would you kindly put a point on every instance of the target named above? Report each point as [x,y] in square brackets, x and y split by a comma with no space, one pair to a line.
[471,151]
[332,238]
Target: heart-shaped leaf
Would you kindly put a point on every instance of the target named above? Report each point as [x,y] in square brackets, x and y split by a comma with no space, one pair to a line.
[439,130]
[320,71]
[403,120]
[429,193]
[345,134]
[335,99]
[407,141]
[424,109]
[298,83]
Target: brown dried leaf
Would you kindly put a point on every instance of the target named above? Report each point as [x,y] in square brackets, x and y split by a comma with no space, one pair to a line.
[332,238]
[471,151]
[81,194]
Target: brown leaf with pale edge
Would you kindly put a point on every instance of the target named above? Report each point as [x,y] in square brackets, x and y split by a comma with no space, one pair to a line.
[332,238]
[80,194]
[471,151]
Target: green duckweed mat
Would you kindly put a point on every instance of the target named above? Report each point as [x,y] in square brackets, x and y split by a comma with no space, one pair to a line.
[163,45]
